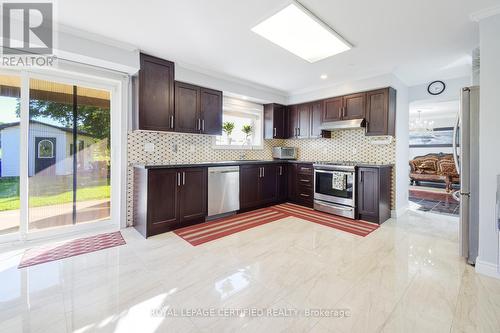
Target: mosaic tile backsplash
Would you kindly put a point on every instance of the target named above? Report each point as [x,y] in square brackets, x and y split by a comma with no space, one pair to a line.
[350,145]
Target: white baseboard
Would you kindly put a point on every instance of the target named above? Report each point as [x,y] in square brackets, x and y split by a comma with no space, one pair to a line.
[487,268]
[395,213]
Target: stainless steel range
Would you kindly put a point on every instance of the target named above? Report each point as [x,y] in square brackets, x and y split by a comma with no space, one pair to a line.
[335,188]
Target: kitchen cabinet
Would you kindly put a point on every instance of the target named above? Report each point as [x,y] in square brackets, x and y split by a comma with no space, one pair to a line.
[187,108]
[316,120]
[332,109]
[381,112]
[275,125]
[282,171]
[301,187]
[303,121]
[354,106]
[374,194]
[197,109]
[259,185]
[293,121]
[156,94]
[167,199]
[345,107]
[211,111]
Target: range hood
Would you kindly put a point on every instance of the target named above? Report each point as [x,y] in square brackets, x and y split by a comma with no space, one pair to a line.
[343,124]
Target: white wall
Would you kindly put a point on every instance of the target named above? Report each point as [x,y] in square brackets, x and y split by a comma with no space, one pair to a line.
[489,161]
[402,122]
[451,93]
[10,152]
[230,86]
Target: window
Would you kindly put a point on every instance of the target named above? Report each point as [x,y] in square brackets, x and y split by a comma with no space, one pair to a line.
[245,119]
[45,149]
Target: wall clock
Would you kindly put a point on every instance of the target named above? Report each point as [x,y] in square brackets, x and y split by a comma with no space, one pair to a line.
[436,87]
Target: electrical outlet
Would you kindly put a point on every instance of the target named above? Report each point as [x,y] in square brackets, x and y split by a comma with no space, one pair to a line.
[354,151]
[192,148]
[174,147]
[149,147]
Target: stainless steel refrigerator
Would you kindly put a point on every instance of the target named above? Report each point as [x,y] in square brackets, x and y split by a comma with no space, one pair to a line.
[466,155]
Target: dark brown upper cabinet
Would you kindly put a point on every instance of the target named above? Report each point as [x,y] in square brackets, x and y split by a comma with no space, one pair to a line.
[316,120]
[211,111]
[293,121]
[381,112]
[354,106]
[156,94]
[344,107]
[332,109]
[197,109]
[304,121]
[187,108]
[275,125]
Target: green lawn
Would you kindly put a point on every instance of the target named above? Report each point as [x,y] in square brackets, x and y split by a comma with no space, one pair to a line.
[9,197]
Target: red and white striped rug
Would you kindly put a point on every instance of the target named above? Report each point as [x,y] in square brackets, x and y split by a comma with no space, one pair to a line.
[209,231]
[357,227]
[61,250]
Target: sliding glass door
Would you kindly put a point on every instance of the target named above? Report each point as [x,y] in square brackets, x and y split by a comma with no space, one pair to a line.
[67,163]
[10,90]
[69,155]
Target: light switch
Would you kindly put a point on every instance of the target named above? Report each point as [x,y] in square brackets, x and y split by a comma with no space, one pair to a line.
[149,147]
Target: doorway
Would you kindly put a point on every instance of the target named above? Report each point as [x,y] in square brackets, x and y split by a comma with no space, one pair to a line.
[55,153]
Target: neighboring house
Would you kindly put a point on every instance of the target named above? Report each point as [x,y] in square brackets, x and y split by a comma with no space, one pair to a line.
[50,149]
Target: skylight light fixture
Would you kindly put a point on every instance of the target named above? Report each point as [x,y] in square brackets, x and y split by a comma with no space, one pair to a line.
[300,32]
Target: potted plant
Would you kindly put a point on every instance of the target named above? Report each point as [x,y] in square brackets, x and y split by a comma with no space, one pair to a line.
[228,128]
[247,129]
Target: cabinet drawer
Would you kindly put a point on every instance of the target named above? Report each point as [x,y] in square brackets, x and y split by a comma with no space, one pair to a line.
[304,180]
[305,191]
[305,169]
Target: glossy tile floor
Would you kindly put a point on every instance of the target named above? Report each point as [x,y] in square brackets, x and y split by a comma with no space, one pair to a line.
[404,277]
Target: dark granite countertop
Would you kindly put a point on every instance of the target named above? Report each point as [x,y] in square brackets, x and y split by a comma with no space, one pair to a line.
[239,162]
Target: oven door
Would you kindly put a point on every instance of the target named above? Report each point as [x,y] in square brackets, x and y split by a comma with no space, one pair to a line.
[323,188]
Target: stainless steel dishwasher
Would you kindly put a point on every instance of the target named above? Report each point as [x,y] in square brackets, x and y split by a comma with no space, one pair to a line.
[223,190]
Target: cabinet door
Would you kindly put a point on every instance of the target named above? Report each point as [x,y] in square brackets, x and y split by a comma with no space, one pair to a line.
[332,109]
[187,108]
[377,112]
[163,210]
[354,106]
[282,171]
[279,122]
[211,111]
[269,184]
[249,186]
[368,189]
[316,114]
[156,94]
[192,194]
[304,121]
[293,121]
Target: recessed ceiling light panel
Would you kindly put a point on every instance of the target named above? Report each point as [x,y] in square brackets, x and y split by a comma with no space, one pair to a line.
[323,76]
[297,30]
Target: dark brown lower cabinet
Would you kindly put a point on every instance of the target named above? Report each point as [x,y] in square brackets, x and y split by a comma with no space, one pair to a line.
[282,177]
[300,184]
[262,185]
[167,199]
[374,194]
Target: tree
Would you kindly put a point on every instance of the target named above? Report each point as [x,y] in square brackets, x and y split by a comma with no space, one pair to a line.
[92,120]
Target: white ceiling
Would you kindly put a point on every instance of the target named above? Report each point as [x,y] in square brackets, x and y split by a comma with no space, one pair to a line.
[417,40]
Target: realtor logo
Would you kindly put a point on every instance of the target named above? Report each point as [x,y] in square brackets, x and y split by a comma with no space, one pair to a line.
[27,28]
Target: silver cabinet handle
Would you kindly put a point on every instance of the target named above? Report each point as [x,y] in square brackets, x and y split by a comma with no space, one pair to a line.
[340,113]
[263,172]
[203,125]
[274,131]
[172,121]
[183,178]
[199,124]
[298,130]
[304,195]
[281,170]
[304,180]
[178,179]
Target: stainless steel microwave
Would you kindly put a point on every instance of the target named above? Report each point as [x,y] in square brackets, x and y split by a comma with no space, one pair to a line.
[285,153]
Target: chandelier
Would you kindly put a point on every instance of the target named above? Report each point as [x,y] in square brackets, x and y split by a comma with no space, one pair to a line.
[421,126]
